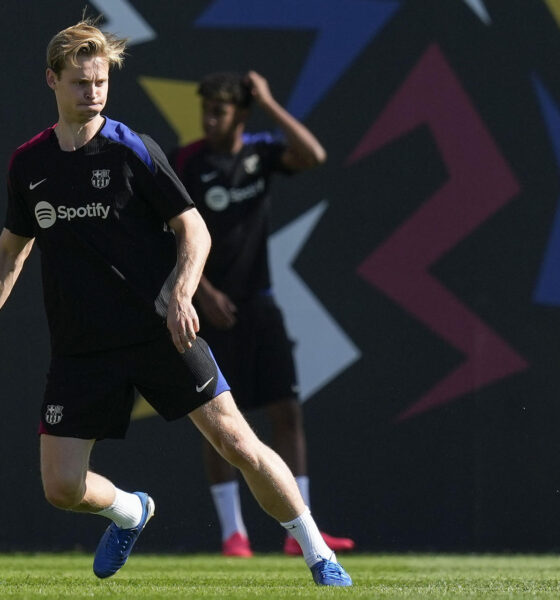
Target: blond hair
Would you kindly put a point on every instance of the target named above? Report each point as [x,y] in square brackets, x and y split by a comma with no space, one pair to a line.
[84,39]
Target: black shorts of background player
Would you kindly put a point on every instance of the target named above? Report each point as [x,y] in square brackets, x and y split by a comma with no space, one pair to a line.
[228,174]
[119,276]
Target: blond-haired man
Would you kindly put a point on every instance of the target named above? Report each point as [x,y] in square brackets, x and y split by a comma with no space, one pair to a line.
[122,243]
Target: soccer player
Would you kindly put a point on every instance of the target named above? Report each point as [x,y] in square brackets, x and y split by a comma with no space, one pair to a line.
[228,174]
[122,249]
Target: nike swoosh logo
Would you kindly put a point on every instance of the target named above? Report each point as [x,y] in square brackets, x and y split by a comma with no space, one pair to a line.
[206,177]
[32,186]
[199,388]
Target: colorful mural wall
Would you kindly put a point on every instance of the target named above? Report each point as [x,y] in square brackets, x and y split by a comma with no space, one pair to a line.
[419,269]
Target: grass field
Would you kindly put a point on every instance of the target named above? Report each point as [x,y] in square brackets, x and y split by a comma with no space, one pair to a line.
[272,577]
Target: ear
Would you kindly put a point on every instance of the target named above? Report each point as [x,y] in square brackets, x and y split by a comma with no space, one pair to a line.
[51,78]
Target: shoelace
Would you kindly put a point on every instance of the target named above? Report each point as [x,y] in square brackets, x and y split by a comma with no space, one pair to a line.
[332,569]
[122,538]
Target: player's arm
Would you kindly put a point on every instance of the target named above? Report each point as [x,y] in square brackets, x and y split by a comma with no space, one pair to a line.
[193,246]
[304,151]
[14,249]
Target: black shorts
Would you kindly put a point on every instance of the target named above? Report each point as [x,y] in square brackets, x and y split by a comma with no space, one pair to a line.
[90,396]
[256,355]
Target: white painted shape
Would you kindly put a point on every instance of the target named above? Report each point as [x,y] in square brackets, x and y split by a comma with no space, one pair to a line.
[323,350]
[124,20]
[479,8]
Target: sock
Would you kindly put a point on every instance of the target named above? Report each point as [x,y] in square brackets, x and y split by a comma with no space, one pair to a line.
[228,506]
[303,485]
[308,536]
[126,510]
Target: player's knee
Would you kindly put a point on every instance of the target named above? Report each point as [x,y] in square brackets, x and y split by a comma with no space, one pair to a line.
[65,493]
[240,452]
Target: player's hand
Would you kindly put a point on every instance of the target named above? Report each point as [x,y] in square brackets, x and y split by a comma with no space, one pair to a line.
[259,87]
[182,322]
[217,308]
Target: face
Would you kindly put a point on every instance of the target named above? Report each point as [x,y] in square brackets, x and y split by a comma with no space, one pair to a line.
[221,121]
[81,92]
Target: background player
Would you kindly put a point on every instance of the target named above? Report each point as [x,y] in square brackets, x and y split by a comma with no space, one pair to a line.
[122,250]
[228,174]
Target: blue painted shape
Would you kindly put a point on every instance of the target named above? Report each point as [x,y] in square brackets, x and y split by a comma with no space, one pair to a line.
[547,290]
[344,28]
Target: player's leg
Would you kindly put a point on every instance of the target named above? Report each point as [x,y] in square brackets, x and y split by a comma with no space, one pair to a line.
[191,383]
[224,488]
[70,485]
[277,386]
[235,350]
[86,399]
[266,474]
[270,481]
[288,439]
[67,482]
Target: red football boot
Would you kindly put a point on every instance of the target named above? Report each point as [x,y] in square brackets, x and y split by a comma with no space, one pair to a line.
[291,547]
[237,544]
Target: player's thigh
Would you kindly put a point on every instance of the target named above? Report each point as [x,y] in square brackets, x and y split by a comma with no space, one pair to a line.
[176,384]
[64,459]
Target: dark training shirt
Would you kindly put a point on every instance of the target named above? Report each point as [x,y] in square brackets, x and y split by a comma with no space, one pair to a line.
[99,217]
[231,192]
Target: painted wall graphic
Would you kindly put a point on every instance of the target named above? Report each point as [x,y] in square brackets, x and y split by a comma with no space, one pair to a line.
[418,269]
[479,183]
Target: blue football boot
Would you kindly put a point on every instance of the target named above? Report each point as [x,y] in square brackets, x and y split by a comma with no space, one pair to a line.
[327,572]
[116,544]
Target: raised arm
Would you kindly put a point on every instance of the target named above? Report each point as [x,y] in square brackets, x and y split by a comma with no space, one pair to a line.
[14,249]
[193,245]
[304,150]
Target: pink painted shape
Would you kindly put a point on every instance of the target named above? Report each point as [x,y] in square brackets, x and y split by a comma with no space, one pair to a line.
[480,183]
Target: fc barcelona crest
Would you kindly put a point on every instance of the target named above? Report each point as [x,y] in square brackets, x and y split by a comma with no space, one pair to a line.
[53,415]
[252,164]
[100,178]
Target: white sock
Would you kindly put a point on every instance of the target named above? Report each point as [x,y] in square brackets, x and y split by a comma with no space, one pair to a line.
[228,506]
[303,485]
[305,531]
[126,510]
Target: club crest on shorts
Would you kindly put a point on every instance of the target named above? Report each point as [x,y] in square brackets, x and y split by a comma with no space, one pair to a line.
[53,415]
[100,178]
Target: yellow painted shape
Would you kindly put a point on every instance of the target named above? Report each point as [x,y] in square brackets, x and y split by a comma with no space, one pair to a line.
[141,409]
[179,103]
[554,7]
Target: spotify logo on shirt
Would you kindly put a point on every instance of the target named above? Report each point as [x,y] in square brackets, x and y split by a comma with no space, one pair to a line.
[46,214]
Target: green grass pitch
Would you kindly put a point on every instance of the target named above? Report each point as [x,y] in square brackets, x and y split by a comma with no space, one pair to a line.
[56,576]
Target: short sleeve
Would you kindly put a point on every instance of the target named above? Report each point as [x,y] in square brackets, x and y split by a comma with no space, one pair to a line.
[165,192]
[18,219]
